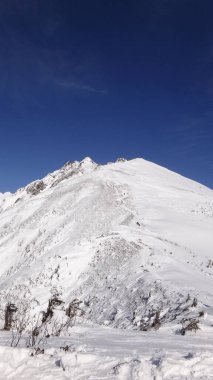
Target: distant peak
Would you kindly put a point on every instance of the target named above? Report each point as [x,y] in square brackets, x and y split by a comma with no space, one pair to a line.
[87,160]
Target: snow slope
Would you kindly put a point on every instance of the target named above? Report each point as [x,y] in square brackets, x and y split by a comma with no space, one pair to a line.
[131,241]
[127,239]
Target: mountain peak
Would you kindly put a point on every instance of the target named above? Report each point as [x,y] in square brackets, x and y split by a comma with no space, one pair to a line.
[130,241]
[87,159]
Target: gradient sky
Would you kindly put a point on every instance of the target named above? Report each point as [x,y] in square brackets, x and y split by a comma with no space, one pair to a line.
[105,79]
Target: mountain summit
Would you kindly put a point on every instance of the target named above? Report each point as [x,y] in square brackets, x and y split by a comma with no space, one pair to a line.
[130,241]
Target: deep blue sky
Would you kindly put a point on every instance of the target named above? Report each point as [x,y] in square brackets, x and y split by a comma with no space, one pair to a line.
[105,79]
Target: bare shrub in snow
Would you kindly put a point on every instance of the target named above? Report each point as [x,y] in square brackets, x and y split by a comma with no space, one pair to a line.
[52,304]
[156,322]
[189,325]
[10,310]
[18,329]
[73,309]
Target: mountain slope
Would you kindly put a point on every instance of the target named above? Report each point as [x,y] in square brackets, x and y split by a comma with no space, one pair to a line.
[131,240]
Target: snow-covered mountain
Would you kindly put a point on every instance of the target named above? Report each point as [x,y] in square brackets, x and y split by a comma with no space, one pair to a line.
[130,240]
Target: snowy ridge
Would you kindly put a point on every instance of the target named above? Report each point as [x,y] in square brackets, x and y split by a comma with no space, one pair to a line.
[131,240]
[70,169]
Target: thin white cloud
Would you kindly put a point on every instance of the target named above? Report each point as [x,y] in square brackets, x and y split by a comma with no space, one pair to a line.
[81,87]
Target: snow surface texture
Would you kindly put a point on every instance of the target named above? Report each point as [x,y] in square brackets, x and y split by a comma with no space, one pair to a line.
[112,354]
[132,242]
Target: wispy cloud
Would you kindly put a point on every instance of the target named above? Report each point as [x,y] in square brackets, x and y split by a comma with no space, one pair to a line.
[81,87]
[192,130]
[190,136]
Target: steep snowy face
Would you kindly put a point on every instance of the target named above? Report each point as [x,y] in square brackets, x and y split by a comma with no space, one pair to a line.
[68,170]
[131,241]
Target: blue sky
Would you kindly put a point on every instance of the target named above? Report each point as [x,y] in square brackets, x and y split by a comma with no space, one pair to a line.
[105,79]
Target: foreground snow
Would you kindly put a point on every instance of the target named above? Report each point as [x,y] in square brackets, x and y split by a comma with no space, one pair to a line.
[105,353]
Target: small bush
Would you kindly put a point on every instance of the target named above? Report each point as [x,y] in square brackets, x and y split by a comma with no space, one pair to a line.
[189,326]
[194,303]
[73,309]
[10,310]
[156,322]
[52,304]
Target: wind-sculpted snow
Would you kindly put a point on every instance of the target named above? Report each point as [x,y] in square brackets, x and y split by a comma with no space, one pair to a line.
[111,354]
[131,241]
